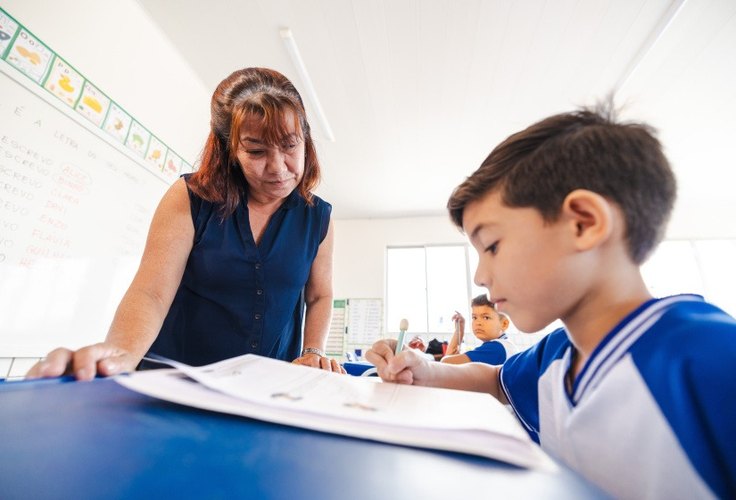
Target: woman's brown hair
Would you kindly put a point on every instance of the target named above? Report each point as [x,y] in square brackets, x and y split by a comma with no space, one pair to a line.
[258,94]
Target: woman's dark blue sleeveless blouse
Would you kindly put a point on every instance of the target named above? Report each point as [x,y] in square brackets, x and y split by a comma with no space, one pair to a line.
[237,297]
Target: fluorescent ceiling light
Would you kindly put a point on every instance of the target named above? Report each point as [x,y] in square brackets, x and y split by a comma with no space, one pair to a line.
[309,91]
[650,41]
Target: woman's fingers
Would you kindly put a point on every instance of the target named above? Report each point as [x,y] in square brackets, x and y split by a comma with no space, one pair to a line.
[84,364]
[55,364]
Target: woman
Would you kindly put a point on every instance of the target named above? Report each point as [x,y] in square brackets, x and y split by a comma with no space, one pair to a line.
[236,251]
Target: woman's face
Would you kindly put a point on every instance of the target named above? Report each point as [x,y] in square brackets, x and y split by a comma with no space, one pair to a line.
[272,172]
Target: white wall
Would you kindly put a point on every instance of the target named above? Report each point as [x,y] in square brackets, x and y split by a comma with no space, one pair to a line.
[691,221]
[115,45]
[360,249]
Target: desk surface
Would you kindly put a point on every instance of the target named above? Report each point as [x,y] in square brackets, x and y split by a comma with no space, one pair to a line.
[98,439]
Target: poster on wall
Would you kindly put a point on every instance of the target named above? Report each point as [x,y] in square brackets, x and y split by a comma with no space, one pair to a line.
[156,154]
[93,105]
[29,56]
[356,324]
[364,321]
[8,28]
[336,337]
[64,82]
[117,123]
[172,166]
[138,139]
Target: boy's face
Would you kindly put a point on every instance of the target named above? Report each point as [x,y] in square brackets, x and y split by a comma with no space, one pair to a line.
[531,269]
[487,324]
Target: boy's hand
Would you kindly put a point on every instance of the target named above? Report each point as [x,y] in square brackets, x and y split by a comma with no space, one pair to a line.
[459,321]
[407,367]
[418,343]
[457,337]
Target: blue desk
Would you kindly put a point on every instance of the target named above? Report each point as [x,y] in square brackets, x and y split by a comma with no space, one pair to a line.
[100,440]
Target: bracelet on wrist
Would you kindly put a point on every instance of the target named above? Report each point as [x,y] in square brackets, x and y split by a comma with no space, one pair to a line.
[313,350]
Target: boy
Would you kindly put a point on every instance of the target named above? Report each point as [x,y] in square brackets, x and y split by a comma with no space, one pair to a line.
[635,393]
[489,326]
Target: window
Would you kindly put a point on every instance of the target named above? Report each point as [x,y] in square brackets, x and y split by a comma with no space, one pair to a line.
[426,285]
[406,288]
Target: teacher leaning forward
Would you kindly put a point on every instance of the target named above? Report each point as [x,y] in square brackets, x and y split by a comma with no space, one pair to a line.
[236,252]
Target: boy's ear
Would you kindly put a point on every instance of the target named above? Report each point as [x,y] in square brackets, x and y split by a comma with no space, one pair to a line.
[504,323]
[591,218]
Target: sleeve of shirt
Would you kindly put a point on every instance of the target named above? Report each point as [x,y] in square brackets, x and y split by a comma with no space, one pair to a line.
[691,376]
[520,374]
[492,353]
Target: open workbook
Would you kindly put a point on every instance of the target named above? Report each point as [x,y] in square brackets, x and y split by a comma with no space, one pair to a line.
[285,393]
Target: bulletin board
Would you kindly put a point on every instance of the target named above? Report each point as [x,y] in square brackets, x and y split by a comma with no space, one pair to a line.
[356,324]
[80,179]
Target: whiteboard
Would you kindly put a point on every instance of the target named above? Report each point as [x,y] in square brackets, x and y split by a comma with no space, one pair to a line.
[75,207]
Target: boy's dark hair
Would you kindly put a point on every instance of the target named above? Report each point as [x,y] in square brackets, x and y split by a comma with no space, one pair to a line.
[586,149]
[481,300]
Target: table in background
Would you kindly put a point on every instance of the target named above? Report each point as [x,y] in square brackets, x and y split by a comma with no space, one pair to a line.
[357,368]
[100,440]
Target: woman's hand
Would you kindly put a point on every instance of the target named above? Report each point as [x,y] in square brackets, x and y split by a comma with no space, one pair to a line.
[86,363]
[322,362]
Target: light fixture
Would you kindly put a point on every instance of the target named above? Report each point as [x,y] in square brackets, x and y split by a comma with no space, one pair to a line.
[651,40]
[309,91]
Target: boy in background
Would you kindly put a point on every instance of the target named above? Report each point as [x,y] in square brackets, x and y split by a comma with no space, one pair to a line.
[490,327]
[635,393]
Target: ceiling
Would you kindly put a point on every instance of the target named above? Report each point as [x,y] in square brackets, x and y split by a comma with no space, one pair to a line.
[418,92]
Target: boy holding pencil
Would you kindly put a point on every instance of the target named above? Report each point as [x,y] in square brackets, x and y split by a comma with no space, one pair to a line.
[635,393]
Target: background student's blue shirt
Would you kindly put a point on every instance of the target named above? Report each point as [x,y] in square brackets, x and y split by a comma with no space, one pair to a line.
[237,297]
[492,352]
